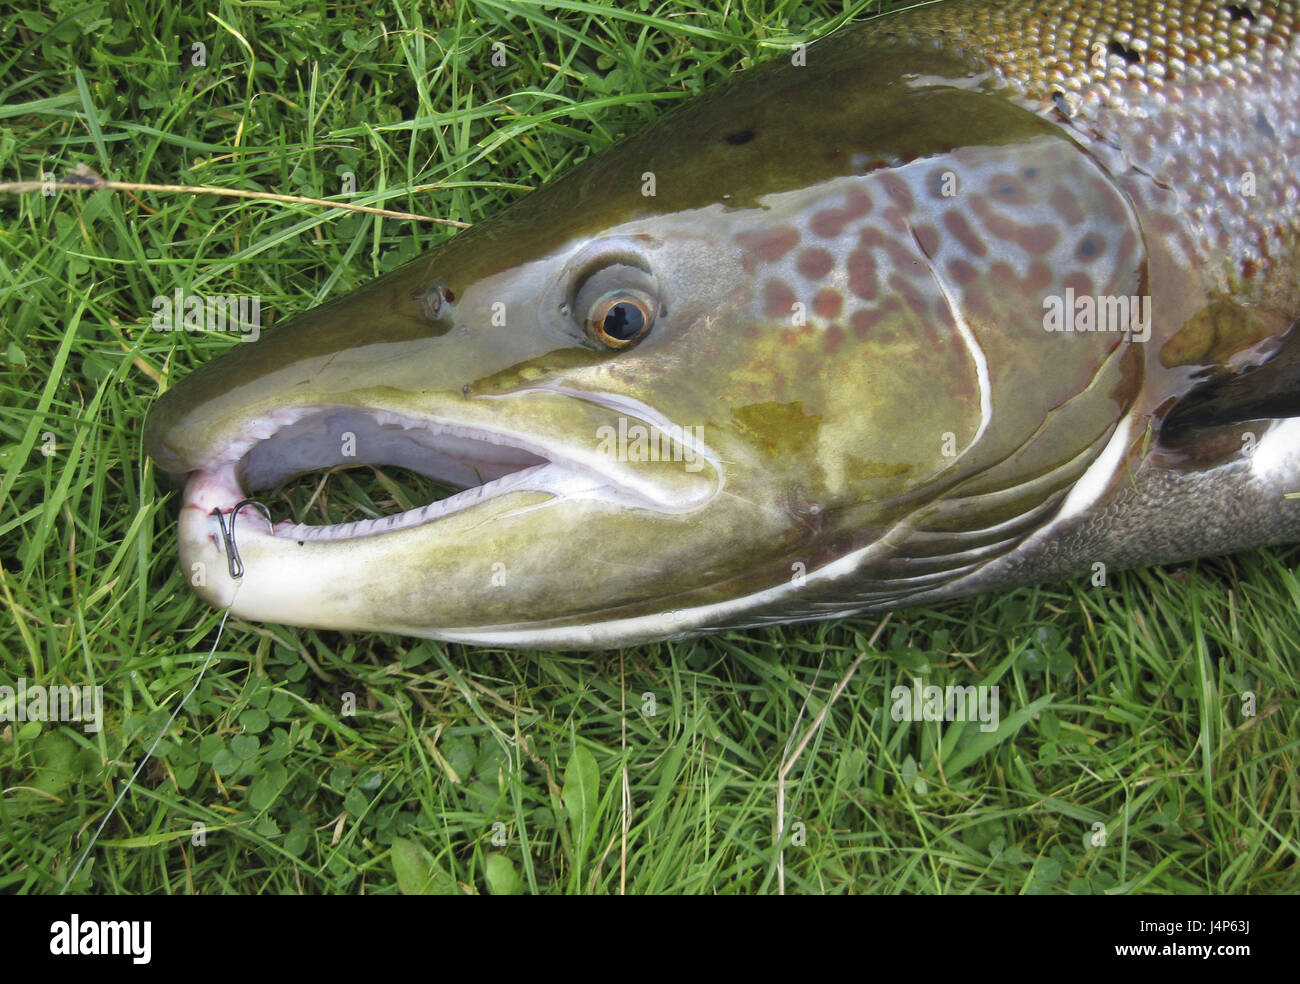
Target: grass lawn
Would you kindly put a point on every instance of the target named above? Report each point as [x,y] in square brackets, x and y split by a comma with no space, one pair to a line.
[1124,760]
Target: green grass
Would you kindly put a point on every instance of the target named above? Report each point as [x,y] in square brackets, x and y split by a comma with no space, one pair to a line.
[472,770]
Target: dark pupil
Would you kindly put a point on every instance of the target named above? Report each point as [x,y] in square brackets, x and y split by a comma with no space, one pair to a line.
[623,321]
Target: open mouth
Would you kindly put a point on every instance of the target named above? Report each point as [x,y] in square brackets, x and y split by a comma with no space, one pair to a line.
[482,464]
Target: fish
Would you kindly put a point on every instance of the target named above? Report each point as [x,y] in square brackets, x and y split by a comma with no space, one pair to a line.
[965,297]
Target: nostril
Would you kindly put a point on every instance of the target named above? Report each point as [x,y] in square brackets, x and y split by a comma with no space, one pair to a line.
[434,299]
[432,302]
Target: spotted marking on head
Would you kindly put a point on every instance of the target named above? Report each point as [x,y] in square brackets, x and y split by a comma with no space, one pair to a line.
[1007,189]
[766,245]
[827,304]
[927,237]
[829,223]
[862,273]
[1090,247]
[882,259]
[778,299]
[962,273]
[1066,205]
[815,263]
[940,183]
[955,223]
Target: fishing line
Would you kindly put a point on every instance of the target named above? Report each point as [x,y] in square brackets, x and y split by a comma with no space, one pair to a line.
[234,563]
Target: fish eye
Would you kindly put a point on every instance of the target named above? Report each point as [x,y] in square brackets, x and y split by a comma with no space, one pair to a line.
[620,318]
[614,301]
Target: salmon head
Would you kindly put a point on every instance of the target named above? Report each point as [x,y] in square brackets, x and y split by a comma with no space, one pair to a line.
[790,352]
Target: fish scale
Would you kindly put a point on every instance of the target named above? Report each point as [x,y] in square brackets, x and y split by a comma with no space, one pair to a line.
[1210,98]
[972,295]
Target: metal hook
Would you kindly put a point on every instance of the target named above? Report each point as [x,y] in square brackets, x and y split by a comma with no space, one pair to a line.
[233,561]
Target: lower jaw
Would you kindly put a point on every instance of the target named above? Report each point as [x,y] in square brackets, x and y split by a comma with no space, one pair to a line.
[421,580]
[292,582]
[325,576]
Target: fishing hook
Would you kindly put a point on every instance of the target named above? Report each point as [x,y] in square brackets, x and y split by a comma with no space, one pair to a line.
[233,561]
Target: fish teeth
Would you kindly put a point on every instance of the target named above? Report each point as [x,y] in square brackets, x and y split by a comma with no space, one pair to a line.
[529,478]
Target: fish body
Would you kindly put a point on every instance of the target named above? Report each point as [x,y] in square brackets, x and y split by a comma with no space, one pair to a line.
[970,296]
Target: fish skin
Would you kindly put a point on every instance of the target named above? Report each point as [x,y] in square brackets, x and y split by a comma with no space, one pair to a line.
[868,243]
